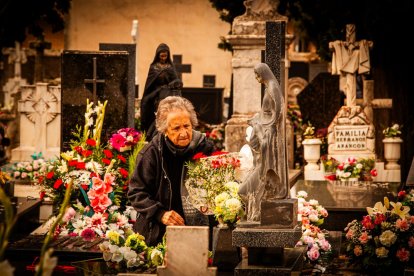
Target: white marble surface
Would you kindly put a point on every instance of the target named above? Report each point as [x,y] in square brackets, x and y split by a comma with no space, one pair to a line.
[187,252]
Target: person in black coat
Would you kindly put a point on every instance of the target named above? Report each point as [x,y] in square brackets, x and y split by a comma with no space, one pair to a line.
[162,81]
[157,182]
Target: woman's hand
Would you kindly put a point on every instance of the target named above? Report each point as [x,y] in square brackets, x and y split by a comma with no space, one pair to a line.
[172,218]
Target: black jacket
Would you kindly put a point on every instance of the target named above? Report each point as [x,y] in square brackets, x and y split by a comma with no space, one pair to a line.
[150,188]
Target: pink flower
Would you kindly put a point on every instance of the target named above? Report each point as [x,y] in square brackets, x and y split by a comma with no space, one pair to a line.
[313,253]
[402,224]
[88,234]
[364,238]
[349,234]
[117,141]
[70,213]
[325,245]
[403,254]
[357,250]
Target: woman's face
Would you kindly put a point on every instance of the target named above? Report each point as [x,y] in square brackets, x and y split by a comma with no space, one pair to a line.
[163,56]
[258,77]
[180,129]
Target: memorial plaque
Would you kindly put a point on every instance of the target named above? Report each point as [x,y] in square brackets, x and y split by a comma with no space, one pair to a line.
[350,138]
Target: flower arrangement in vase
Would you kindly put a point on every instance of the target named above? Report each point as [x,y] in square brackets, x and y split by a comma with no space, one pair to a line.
[312,216]
[392,131]
[383,241]
[207,178]
[228,205]
[309,132]
[353,169]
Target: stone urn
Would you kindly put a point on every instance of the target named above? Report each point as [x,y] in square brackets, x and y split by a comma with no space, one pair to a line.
[312,153]
[392,152]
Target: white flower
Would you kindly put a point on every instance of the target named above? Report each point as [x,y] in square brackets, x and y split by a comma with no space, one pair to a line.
[302,194]
[388,238]
[221,198]
[94,167]
[233,205]
[313,202]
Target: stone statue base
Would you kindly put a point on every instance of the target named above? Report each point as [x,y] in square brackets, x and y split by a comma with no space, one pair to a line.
[279,214]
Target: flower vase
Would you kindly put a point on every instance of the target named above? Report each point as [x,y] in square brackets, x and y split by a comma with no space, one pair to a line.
[312,153]
[350,179]
[392,152]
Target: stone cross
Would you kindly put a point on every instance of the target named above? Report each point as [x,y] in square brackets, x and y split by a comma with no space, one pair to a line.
[350,58]
[180,67]
[94,80]
[275,58]
[39,106]
[370,103]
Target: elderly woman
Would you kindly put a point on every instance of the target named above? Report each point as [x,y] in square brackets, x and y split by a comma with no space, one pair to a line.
[155,187]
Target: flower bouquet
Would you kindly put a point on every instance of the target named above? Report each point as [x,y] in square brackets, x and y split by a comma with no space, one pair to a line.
[228,205]
[29,170]
[355,169]
[129,251]
[207,176]
[99,173]
[312,215]
[393,131]
[383,241]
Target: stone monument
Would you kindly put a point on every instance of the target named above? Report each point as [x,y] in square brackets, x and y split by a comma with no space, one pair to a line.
[270,230]
[39,115]
[248,41]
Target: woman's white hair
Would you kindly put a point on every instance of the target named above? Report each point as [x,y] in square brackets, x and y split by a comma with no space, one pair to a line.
[170,104]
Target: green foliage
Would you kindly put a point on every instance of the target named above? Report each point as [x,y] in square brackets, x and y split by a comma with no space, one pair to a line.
[133,157]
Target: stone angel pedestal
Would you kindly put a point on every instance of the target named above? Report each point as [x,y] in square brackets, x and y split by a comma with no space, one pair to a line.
[270,230]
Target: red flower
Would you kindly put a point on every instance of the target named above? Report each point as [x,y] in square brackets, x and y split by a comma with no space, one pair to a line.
[123,172]
[108,153]
[379,218]
[93,175]
[86,153]
[42,195]
[219,153]
[367,222]
[73,163]
[106,161]
[88,234]
[401,194]
[91,142]
[374,172]
[120,157]
[78,149]
[80,165]
[49,175]
[57,184]
[330,177]
[85,187]
[199,155]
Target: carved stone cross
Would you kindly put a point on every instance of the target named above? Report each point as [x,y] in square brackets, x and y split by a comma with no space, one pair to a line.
[350,58]
[40,107]
[94,80]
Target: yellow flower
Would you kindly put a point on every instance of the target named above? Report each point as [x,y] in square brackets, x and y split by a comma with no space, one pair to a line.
[379,208]
[400,210]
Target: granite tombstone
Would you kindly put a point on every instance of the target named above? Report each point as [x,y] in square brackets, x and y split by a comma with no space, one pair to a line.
[97,76]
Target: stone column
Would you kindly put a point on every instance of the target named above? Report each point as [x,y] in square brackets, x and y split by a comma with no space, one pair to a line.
[248,41]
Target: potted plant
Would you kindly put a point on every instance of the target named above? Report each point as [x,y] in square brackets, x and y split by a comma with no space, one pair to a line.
[392,146]
[311,148]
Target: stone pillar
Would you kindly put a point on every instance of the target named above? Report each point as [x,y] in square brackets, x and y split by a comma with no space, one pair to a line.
[248,42]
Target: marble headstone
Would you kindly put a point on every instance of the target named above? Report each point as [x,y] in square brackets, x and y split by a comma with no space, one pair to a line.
[351,134]
[39,115]
[187,252]
[106,74]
